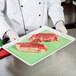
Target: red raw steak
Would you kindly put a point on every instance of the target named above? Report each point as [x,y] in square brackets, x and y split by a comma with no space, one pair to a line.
[31,47]
[44,37]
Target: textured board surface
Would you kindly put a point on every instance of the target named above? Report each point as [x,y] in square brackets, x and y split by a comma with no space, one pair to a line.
[32,58]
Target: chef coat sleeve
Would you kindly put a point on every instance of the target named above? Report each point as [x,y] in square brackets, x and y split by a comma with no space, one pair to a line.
[3,24]
[55,11]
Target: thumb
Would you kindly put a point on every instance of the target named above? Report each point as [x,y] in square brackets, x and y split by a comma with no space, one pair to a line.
[14,38]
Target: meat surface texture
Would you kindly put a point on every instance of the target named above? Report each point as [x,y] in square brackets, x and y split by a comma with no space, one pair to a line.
[31,47]
[44,37]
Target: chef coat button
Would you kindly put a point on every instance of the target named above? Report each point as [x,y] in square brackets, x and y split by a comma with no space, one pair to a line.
[40,26]
[39,2]
[39,14]
[26,29]
[21,5]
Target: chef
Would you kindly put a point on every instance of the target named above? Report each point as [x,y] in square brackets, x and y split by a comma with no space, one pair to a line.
[19,17]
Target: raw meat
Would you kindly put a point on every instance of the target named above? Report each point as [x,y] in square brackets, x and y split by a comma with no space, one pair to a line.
[44,37]
[31,47]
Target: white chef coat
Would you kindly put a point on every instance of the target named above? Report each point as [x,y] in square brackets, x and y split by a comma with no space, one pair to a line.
[27,15]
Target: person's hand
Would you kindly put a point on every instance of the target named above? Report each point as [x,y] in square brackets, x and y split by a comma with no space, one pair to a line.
[61,27]
[12,35]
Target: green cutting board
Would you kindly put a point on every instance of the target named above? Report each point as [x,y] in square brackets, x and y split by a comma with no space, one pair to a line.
[3,42]
[32,58]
